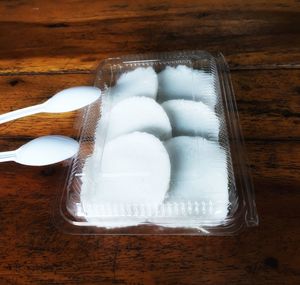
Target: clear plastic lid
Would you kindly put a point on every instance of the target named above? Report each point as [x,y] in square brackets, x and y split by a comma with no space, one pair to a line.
[161,152]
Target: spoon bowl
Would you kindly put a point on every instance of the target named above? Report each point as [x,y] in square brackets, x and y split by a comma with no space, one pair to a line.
[43,151]
[64,101]
[71,99]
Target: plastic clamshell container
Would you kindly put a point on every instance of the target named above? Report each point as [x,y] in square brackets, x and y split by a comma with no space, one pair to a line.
[194,214]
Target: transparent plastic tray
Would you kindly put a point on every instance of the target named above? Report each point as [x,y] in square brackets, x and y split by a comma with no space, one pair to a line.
[191,216]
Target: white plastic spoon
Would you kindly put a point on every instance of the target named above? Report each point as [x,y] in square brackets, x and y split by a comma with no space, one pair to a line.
[42,151]
[64,101]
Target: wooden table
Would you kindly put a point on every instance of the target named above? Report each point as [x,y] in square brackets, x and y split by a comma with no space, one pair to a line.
[46,46]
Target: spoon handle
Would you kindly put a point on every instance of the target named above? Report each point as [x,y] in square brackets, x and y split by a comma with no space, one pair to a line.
[7,156]
[20,113]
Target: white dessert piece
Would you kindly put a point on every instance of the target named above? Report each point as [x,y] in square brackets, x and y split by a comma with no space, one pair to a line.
[139,82]
[183,82]
[199,168]
[139,114]
[189,118]
[134,171]
[199,175]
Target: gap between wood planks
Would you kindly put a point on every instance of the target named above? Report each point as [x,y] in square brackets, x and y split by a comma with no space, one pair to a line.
[93,71]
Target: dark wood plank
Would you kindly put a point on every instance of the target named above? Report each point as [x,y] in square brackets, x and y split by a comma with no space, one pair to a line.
[33,251]
[76,35]
[268,101]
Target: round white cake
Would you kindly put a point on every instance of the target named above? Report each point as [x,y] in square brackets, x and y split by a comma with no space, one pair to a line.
[189,118]
[139,82]
[199,174]
[183,82]
[134,170]
[139,114]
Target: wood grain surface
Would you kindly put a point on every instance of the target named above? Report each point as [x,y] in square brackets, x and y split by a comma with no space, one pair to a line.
[46,46]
